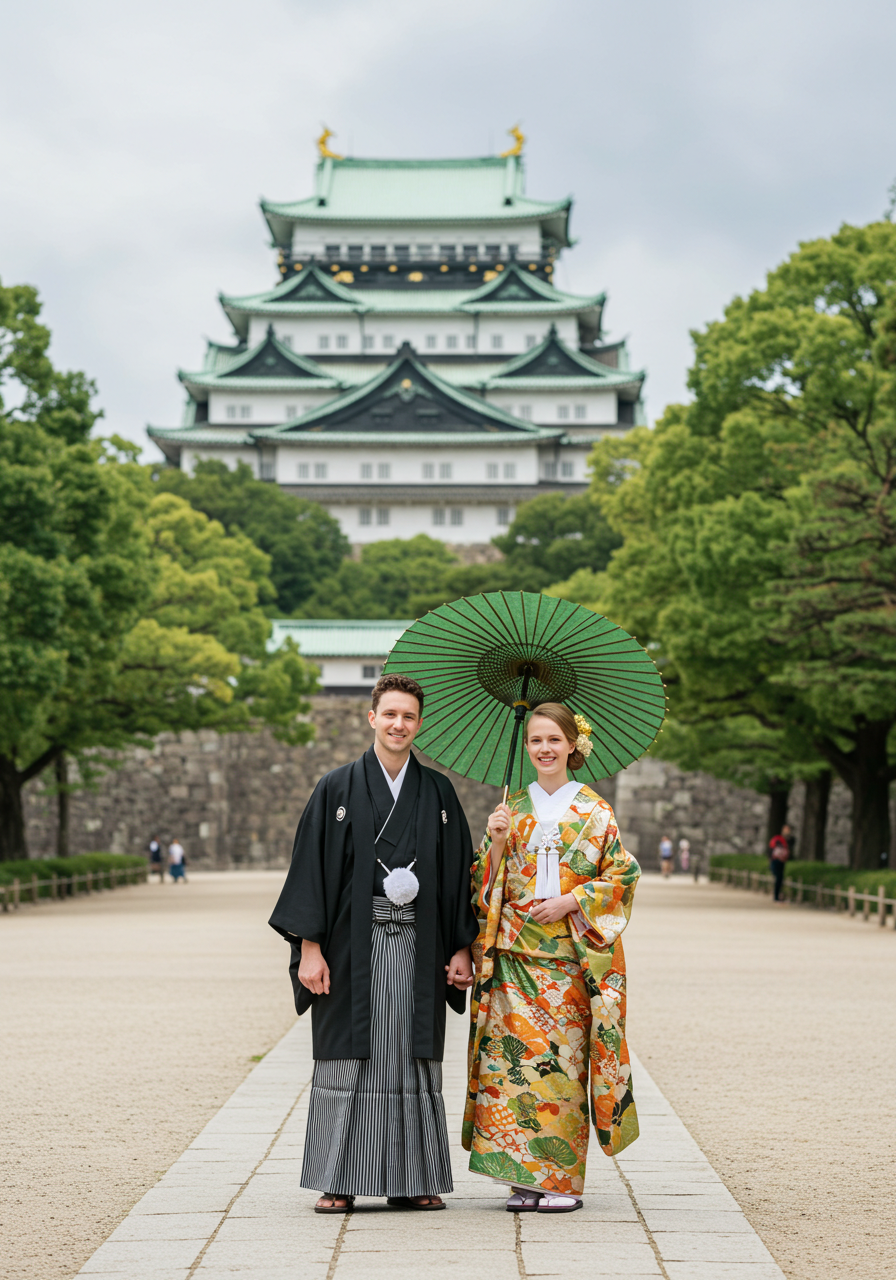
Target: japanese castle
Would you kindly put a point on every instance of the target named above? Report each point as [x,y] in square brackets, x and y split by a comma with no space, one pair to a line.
[414,368]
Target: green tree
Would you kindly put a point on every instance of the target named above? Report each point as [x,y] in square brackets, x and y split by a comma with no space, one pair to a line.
[122,613]
[304,542]
[758,557]
[383,581]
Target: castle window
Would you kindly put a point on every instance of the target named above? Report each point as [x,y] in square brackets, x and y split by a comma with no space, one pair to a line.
[567,470]
[333,250]
[471,251]
[389,341]
[424,250]
[320,471]
[562,412]
[285,338]
[448,252]
[497,342]
[368,671]
[491,471]
[245,411]
[342,341]
[355,252]
[292,411]
[431,342]
[429,471]
[509,470]
[366,470]
[378,252]
[367,342]
[231,411]
[493,251]
[403,252]
[438,515]
[444,470]
[504,515]
[382,515]
[513,250]
[302,470]
[323,342]
[525,411]
[471,341]
[383,470]
[365,515]
[451,342]
[531,341]
[457,515]
[550,471]
[581,411]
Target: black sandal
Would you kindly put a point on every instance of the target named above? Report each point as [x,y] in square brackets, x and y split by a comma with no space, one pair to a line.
[333,1207]
[413,1202]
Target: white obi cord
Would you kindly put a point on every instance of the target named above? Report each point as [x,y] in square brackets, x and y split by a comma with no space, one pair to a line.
[547,861]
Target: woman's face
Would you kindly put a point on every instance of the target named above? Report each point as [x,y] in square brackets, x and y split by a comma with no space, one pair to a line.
[548,747]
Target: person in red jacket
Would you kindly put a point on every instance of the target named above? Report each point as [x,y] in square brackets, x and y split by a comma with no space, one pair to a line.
[778,854]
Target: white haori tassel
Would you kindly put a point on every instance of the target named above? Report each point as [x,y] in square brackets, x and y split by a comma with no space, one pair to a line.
[547,861]
[401,885]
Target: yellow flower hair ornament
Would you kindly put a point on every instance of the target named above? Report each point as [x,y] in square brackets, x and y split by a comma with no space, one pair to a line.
[583,741]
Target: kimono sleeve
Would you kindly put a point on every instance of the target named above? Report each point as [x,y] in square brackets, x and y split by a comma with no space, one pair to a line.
[605,903]
[480,888]
[301,910]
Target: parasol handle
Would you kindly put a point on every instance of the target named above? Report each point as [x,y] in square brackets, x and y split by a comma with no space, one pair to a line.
[519,714]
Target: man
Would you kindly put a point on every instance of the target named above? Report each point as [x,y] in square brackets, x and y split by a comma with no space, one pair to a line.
[376,969]
[155,859]
[176,860]
[779,851]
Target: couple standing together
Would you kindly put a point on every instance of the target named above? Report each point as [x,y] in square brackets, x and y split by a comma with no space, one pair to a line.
[383,916]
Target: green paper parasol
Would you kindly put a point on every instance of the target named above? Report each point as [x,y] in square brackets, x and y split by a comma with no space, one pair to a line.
[483,661]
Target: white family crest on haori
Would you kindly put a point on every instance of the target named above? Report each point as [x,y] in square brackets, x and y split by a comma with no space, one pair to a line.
[340,813]
[444,818]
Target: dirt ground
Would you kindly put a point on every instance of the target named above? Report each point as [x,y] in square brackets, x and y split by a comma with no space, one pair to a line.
[772,1031]
[129,1018]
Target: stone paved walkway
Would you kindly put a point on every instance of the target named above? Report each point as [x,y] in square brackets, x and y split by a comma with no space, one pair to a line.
[231,1207]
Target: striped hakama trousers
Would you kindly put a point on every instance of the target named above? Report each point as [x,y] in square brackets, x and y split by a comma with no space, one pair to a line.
[376,1126]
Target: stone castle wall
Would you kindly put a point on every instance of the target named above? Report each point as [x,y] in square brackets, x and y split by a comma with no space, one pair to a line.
[236,800]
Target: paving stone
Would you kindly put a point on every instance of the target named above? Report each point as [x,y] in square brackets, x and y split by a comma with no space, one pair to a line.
[117,1254]
[710,1246]
[167,1226]
[724,1271]
[718,1198]
[562,1258]
[541,1228]
[199,1199]
[405,1265]
[684,1219]
[262,1255]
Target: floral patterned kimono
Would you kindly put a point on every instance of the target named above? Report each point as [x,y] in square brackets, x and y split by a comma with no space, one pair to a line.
[547,1000]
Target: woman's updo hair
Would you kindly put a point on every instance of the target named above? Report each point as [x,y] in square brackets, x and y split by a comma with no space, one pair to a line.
[566,722]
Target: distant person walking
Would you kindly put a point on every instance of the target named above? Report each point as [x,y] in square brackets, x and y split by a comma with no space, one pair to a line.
[177,860]
[684,854]
[666,852]
[155,859]
[778,855]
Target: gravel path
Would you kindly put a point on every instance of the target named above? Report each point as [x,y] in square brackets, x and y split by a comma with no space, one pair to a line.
[129,1018]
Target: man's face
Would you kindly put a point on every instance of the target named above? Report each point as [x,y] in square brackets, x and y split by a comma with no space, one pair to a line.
[395,721]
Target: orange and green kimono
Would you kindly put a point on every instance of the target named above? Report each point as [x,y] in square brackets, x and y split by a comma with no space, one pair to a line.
[548,1003]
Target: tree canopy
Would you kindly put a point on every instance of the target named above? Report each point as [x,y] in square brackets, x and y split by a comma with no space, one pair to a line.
[304,542]
[759,552]
[123,611]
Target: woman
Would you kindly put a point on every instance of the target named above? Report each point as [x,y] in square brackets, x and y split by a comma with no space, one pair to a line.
[549,996]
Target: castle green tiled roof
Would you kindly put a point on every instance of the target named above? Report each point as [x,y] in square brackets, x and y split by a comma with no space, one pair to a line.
[271,366]
[552,365]
[487,189]
[318,638]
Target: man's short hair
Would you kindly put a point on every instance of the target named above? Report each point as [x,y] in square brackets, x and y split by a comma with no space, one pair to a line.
[396,683]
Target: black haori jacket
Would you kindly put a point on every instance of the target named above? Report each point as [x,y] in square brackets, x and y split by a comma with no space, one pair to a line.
[327,898]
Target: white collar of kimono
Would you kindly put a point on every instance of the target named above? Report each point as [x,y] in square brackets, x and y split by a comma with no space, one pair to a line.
[549,809]
[394,784]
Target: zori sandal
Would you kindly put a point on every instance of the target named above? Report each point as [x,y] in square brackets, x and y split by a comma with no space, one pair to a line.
[523,1200]
[338,1204]
[551,1203]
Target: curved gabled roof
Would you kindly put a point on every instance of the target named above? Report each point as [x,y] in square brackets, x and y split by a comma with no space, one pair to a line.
[272,365]
[552,365]
[487,189]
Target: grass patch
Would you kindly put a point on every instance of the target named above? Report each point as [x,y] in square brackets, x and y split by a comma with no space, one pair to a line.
[98,864]
[814,873]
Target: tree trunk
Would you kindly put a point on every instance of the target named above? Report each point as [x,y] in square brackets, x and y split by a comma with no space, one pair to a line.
[778,800]
[870,786]
[815,817]
[12,818]
[62,805]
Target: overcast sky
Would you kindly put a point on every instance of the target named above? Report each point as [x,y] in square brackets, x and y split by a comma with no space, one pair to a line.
[701,140]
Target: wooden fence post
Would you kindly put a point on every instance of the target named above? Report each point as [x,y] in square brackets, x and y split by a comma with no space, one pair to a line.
[819,902]
[54,886]
[88,881]
[851,899]
[866,906]
[5,891]
[838,897]
[34,888]
[15,892]
[881,908]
